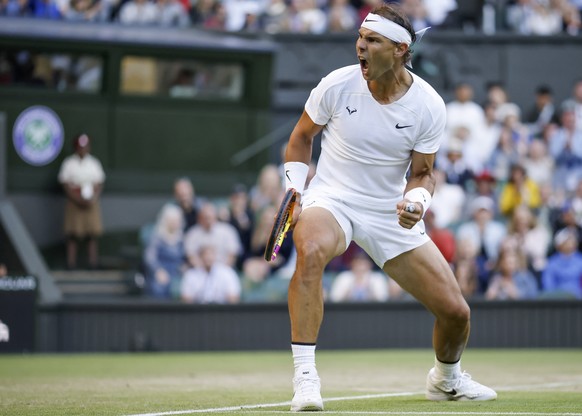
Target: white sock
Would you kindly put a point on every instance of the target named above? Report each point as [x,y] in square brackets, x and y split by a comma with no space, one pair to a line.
[303,354]
[446,371]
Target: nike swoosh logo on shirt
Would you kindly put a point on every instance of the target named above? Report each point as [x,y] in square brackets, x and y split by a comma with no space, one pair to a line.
[398,126]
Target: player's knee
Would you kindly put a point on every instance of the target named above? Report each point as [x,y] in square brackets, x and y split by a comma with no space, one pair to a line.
[458,314]
[311,255]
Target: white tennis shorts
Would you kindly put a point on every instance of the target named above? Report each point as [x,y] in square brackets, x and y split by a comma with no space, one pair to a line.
[375,230]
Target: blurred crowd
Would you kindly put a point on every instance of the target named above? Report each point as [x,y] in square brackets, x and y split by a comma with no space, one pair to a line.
[537,17]
[506,214]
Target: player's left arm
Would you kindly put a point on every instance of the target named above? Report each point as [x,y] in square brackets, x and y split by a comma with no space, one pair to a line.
[418,191]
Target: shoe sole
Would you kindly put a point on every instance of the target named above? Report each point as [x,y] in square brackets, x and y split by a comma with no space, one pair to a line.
[442,397]
[309,407]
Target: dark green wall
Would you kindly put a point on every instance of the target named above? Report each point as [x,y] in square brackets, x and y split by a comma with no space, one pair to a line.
[144,143]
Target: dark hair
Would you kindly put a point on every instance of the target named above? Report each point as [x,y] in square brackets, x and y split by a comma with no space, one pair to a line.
[394,13]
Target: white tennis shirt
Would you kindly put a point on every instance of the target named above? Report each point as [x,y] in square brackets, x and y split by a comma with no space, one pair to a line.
[366,146]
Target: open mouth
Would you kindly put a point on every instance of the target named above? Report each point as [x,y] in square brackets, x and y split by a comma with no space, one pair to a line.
[363,65]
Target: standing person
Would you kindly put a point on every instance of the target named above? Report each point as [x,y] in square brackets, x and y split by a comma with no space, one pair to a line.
[379,121]
[82,177]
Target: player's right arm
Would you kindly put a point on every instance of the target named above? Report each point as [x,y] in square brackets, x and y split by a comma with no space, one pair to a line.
[299,149]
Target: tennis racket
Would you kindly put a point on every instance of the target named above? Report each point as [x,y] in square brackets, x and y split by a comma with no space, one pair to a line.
[281,226]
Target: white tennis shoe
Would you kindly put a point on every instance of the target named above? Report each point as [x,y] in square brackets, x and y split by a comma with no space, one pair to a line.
[459,389]
[306,390]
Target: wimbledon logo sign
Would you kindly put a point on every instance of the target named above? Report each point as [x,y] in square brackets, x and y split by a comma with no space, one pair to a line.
[38,135]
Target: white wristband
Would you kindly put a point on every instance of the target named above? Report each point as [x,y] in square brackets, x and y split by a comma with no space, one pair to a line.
[296,176]
[420,195]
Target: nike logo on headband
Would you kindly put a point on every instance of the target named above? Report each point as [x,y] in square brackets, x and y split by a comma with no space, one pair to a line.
[370,20]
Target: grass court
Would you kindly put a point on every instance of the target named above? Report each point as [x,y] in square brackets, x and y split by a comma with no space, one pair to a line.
[363,382]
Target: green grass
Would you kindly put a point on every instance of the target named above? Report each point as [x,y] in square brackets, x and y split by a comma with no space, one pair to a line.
[536,382]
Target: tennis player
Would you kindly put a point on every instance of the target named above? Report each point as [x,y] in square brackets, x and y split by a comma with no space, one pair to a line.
[379,120]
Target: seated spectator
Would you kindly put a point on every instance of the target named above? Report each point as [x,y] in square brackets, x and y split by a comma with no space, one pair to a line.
[565,146]
[484,184]
[165,259]
[509,281]
[563,274]
[454,165]
[574,103]
[210,231]
[534,17]
[255,268]
[342,16]
[268,189]
[465,267]
[360,283]
[307,17]
[443,238]
[519,189]
[538,164]
[15,8]
[503,156]
[138,12]
[416,11]
[542,112]
[276,17]
[46,9]
[211,281]
[240,216]
[185,198]
[530,239]
[171,13]
[566,218]
[485,234]
[447,201]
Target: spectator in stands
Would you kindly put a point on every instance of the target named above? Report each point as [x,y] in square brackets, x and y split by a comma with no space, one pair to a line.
[217,19]
[211,232]
[490,134]
[171,13]
[565,146]
[530,239]
[15,8]
[82,177]
[185,197]
[574,103]
[510,116]
[360,283]
[484,185]
[416,12]
[201,10]
[466,120]
[255,268]
[534,17]
[276,17]
[510,281]
[442,237]
[485,234]
[454,165]
[542,112]
[211,281]
[504,155]
[85,11]
[448,201]
[268,189]
[46,9]
[240,216]
[165,258]
[465,267]
[563,274]
[342,16]
[538,164]
[138,12]
[518,190]
[566,218]
[306,17]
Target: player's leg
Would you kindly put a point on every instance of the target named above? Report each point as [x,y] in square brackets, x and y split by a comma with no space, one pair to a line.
[425,274]
[318,239]
[71,250]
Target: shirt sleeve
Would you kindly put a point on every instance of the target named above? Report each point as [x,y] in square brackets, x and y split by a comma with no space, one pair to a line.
[321,102]
[433,127]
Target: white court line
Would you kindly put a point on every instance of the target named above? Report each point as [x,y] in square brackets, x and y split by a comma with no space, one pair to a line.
[378,396]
